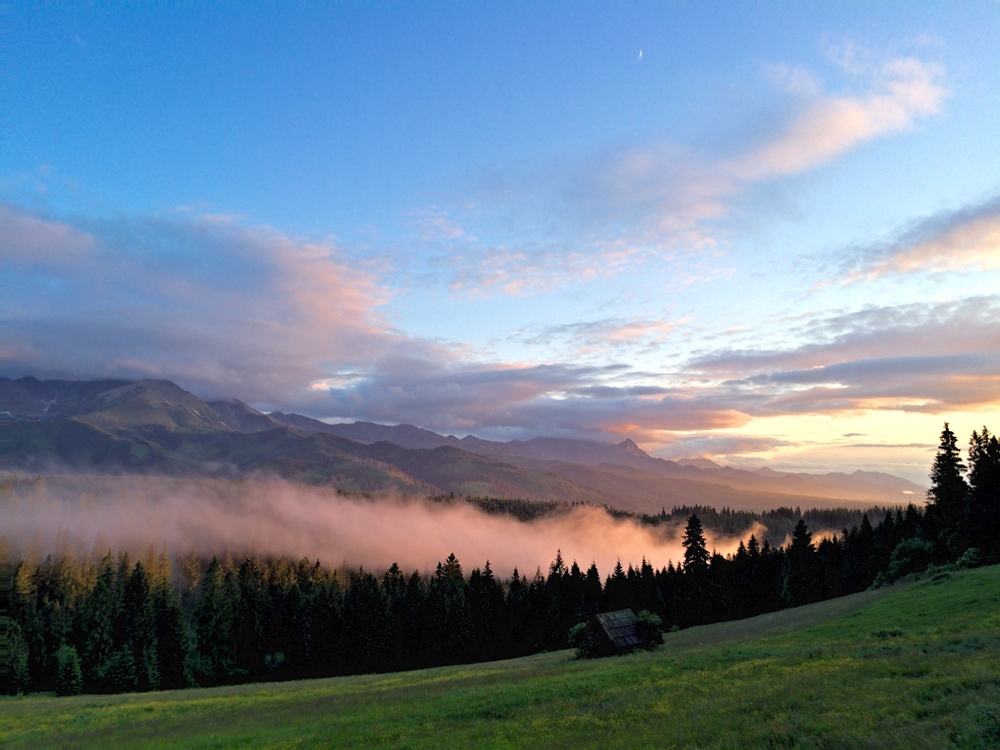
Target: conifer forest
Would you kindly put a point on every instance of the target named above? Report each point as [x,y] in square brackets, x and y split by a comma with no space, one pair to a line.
[117,624]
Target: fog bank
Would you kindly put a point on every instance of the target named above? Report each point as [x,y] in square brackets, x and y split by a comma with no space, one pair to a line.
[273,519]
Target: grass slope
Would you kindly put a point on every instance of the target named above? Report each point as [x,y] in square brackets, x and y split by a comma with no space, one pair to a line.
[814,677]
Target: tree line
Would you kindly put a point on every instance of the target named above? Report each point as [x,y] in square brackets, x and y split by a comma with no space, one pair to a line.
[118,625]
[779,522]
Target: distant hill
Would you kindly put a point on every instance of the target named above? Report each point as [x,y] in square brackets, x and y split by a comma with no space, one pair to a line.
[156,427]
[860,486]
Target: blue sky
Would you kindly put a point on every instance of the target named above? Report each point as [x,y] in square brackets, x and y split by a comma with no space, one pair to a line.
[774,237]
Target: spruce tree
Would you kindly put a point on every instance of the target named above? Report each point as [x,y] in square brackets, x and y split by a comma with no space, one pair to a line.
[171,638]
[368,623]
[69,680]
[696,555]
[800,585]
[947,495]
[96,631]
[213,627]
[983,509]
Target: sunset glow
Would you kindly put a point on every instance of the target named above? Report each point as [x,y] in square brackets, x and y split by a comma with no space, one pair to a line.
[771,236]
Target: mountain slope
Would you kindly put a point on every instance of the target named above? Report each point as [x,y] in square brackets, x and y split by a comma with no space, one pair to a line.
[818,675]
[646,492]
[154,426]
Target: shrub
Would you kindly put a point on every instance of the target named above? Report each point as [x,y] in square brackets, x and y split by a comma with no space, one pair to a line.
[971,559]
[69,677]
[17,660]
[650,628]
[887,633]
[577,633]
[910,556]
[118,674]
[579,638]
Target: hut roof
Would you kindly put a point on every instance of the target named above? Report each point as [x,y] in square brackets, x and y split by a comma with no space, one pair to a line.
[622,627]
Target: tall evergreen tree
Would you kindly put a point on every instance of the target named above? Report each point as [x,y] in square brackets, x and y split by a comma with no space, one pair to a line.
[616,593]
[983,508]
[215,620]
[139,628]
[947,495]
[368,623]
[696,555]
[800,585]
[95,626]
[452,619]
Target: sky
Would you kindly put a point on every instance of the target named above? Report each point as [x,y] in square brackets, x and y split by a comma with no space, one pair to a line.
[763,233]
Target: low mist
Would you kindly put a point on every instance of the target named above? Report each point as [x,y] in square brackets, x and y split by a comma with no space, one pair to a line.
[273,519]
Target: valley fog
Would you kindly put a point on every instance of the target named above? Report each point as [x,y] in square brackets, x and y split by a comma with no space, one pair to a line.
[273,519]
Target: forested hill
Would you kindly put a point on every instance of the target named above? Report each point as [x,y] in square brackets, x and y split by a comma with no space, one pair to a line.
[156,427]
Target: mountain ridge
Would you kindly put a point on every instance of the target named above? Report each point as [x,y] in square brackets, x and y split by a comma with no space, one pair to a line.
[156,426]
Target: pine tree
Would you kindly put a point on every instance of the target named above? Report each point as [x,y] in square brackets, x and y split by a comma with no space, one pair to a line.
[947,495]
[171,637]
[214,625]
[394,586]
[95,626]
[69,680]
[696,555]
[616,593]
[592,592]
[800,585]
[368,623]
[452,633]
[140,628]
[416,647]
[983,509]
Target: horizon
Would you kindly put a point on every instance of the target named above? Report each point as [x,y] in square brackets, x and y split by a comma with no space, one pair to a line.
[770,239]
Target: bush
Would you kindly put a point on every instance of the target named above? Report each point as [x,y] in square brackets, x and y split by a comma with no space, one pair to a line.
[882,579]
[17,659]
[118,674]
[887,633]
[971,559]
[650,628]
[579,638]
[69,677]
[910,556]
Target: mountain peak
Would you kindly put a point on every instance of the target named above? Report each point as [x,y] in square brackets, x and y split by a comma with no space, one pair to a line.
[630,447]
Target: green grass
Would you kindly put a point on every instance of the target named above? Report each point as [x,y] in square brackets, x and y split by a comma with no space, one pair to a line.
[911,667]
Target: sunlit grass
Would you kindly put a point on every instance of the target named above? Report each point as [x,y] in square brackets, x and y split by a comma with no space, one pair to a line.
[914,667]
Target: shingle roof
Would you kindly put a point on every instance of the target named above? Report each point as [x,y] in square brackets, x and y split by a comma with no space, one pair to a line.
[622,627]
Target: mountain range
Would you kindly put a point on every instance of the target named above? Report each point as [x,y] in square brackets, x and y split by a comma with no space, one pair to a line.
[156,427]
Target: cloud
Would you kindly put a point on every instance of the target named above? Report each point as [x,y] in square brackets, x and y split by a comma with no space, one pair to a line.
[602,336]
[31,240]
[290,323]
[633,203]
[480,270]
[706,445]
[963,240]
[527,401]
[434,225]
[900,92]
[220,307]
[230,310]
[966,326]
[925,357]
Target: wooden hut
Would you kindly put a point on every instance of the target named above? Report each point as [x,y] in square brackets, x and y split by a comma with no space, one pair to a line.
[612,633]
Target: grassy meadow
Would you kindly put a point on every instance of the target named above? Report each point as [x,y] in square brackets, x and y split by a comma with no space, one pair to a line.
[915,666]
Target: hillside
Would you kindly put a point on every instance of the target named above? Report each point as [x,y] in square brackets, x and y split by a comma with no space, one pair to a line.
[908,667]
[156,427]
[552,454]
